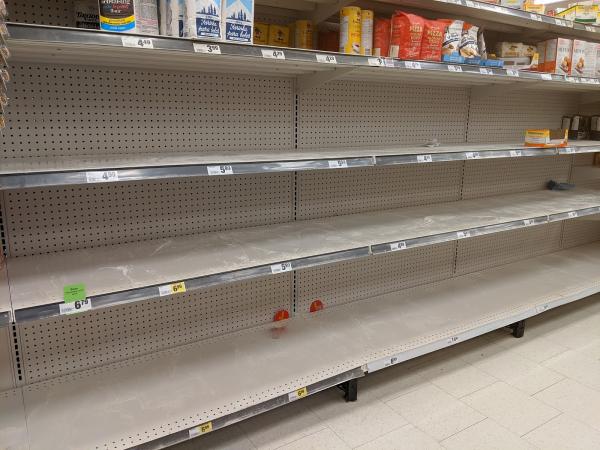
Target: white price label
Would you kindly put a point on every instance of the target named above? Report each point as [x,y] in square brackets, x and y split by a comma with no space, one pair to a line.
[542,308]
[338,164]
[281,268]
[590,28]
[211,49]
[377,62]
[463,234]
[528,222]
[546,76]
[567,150]
[512,72]
[412,65]
[424,158]
[454,69]
[472,155]
[516,153]
[272,54]
[398,246]
[453,340]
[573,215]
[484,71]
[572,79]
[559,22]
[102,177]
[138,42]
[171,289]
[220,170]
[201,429]
[382,364]
[298,394]
[326,59]
[75,307]
[536,17]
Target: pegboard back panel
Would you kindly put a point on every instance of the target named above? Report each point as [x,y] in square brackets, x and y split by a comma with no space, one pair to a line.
[581,231]
[355,113]
[504,116]
[494,250]
[42,12]
[357,280]
[486,178]
[73,343]
[82,110]
[323,194]
[7,380]
[54,219]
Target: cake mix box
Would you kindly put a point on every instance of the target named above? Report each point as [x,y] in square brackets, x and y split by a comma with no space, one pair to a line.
[238,20]
[558,56]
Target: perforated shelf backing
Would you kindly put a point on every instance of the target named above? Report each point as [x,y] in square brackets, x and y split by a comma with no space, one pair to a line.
[42,12]
[69,344]
[581,231]
[504,117]
[7,380]
[56,219]
[81,110]
[354,113]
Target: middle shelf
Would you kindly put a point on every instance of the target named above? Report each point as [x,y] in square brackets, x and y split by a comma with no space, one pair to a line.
[131,272]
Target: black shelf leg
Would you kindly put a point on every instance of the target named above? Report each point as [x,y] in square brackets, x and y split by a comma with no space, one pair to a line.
[350,389]
[518,329]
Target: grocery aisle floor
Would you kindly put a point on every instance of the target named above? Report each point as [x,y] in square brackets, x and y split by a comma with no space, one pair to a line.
[494,392]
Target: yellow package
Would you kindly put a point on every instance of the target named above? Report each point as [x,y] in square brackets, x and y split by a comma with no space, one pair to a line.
[531,7]
[546,138]
[303,34]
[261,33]
[279,35]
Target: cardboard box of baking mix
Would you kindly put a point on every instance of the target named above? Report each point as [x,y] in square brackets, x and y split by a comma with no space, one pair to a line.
[558,56]
[546,138]
[584,13]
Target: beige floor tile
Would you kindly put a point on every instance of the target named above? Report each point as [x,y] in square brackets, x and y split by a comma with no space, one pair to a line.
[355,422]
[321,440]
[511,408]
[564,433]
[230,438]
[435,412]
[592,349]
[535,348]
[486,435]
[394,381]
[405,438]
[574,399]
[578,366]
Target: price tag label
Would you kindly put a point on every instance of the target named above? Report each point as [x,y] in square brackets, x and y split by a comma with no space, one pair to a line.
[567,150]
[281,268]
[211,49]
[516,153]
[107,176]
[424,158]
[75,307]
[377,62]
[536,17]
[512,72]
[298,394]
[416,65]
[463,234]
[454,69]
[572,79]
[573,215]
[326,59]
[219,170]
[396,246]
[171,289]
[470,4]
[138,42]
[590,28]
[472,155]
[201,429]
[338,164]
[546,76]
[542,308]
[453,340]
[272,54]
[559,22]
[528,222]
[484,71]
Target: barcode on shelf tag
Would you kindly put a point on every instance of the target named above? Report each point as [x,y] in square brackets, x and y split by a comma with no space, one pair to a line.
[536,17]
[542,308]
[272,53]
[211,49]
[412,65]
[512,72]
[377,62]
[298,394]
[528,222]
[453,340]
[171,289]
[138,42]
[454,69]
[463,234]
[281,267]
[516,153]
[338,164]
[327,59]
[398,246]
[484,71]
[424,158]
[472,155]
[201,429]
[546,76]
[573,215]
[106,176]
[219,170]
[75,307]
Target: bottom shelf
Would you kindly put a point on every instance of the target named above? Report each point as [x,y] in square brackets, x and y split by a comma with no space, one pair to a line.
[161,398]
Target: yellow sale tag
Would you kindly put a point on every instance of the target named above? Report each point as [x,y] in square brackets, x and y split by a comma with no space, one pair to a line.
[201,429]
[178,288]
[298,394]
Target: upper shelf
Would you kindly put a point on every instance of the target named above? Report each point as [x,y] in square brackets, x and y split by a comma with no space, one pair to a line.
[38,172]
[54,45]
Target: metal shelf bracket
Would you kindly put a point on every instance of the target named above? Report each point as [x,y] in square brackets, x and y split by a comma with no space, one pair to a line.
[313,80]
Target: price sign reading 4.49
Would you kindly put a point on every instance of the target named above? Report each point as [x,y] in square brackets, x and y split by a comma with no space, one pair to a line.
[134,41]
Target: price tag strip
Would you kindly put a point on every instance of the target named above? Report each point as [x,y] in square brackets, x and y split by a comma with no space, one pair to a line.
[298,394]
[219,170]
[137,42]
[210,49]
[75,307]
[326,59]
[272,54]
[201,429]
[107,176]
[171,289]
[338,164]
[281,268]
[424,158]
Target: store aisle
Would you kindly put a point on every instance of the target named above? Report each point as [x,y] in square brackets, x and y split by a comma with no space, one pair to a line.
[494,392]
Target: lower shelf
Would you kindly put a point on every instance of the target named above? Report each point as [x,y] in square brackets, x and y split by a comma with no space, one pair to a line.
[162,398]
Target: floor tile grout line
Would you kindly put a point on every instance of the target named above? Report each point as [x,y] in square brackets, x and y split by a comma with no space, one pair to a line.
[560,413]
[466,428]
[407,425]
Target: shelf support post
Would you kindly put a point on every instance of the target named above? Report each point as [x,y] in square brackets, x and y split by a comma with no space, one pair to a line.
[518,329]
[350,389]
